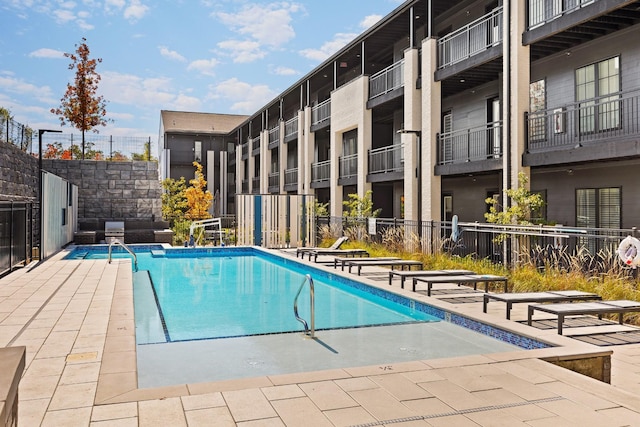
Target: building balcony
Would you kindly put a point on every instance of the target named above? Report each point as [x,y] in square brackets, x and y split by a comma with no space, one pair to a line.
[470,150]
[387,80]
[291,179]
[321,115]
[245,186]
[274,137]
[386,163]
[274,182]
[321,172]
[348,167]
[607,127]
[255,185]
[291,129]
[245,151]
[255,146]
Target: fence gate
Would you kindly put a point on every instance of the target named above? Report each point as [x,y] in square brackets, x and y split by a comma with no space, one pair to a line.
[275,220]
[16,235]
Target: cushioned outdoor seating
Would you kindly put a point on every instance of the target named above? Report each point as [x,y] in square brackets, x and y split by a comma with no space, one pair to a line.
[473,279]
[335,245]
[378,262]
[538,297]
[403,274]
[562,310]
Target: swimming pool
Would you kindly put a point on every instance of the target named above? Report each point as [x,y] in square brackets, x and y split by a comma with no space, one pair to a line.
[167,357]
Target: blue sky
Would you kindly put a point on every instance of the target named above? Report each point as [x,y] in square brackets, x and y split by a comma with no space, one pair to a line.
[225,56]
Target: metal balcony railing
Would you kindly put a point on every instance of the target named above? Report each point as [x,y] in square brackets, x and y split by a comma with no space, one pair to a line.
[386,159]
[320,171]
[542,11]
[255,144]
[471,39]
[387,80]
[291,176]
[255,185]
[274,182]
[245,186]
[610,117]
[321,112]
[291,127]
[469,145]
[349,166]
[274,137]
[245,150]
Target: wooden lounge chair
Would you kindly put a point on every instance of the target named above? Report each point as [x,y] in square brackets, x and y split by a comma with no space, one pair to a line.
[377,262]
[562,310]
[403,274]
[538,297]
[473,279]
[335,245]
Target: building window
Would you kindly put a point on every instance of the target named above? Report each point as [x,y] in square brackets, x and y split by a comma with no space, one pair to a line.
[447,207]
[197,151]
[598,207]
[598,94]
[537,105]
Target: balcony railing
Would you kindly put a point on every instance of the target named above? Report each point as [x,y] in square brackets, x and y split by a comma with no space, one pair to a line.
[349,166]
[245,186]
[542,11]
[471,39]
[387,80]
[321,112]
[274,182]
[386,159]
[245,150]
[321,171]
[255,144]
[610,117]
[469,145]
[291,177]
[274,137]
[291,127]
[255,185]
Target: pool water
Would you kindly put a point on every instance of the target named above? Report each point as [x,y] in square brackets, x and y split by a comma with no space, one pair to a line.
[222,296]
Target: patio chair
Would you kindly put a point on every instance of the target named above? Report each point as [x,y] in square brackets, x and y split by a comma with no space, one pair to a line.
[538,297]
[471,279]
[334,246]
[403,274]
[343,252]
[378,262]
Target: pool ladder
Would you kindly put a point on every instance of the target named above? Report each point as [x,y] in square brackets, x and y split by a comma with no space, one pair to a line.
[126,248]
[310,332]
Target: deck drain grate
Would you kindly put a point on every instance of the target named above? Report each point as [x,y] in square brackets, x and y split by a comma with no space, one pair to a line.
[461,412]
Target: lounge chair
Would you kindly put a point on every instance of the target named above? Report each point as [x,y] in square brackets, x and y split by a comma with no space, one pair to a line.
[335,245]
[619,307]
[343,260]
[473,279]
[403,274]
[345,252]
[378,262]
[538,297]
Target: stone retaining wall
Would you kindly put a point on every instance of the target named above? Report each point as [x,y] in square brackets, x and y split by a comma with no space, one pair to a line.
[18,174]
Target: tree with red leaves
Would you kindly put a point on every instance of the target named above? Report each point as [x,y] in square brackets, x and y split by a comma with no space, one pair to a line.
[80,106]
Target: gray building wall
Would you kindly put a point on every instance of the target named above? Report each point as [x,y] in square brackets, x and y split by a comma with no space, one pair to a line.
[112,190]
[18,174]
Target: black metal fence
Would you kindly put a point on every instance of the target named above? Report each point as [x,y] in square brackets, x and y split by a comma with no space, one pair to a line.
[97,147]
[14,133]
[17,225]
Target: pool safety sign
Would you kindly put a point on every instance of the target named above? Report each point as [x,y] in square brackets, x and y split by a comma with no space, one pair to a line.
[372,226]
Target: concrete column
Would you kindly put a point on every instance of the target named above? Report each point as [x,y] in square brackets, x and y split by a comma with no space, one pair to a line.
[306,151]
[282,151]
[431,188]
[265,162]
[335,207]
[239,169]
[410,137]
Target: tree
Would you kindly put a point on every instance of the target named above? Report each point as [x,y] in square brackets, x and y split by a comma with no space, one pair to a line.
[198,198]
[523,203]
[360,207]
[5,118]
[174,200]
[80,106]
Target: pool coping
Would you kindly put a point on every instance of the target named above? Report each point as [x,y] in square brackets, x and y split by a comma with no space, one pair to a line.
[117,381]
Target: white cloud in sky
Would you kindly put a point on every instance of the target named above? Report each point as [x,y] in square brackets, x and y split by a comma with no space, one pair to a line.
[171,54]
[47,53]
[243,98]
[203,66]
[285,71]
[328,48]
[12,84]
[369,21]
[135,11]
[242,52]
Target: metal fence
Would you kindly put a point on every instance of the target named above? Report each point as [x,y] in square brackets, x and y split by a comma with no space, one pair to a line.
[17,227]
[14,133]
[97,147]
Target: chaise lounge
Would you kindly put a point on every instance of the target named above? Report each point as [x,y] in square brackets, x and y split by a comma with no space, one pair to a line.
[473,279]
[403,274]
[538,297]
[334,246]
[379,262]
[619,307]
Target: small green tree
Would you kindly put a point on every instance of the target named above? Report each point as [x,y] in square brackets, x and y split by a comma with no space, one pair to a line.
[519,213]
[174,200]
[360,207]
[320,209]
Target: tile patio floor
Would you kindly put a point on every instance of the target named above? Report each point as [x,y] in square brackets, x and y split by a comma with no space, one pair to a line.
[75,318]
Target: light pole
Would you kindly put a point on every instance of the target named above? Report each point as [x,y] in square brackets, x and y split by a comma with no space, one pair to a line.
[40,198]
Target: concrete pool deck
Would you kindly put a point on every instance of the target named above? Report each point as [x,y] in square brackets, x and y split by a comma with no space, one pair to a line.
[76,320]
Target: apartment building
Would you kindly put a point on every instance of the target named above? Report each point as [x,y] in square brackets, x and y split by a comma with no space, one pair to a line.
[443,104]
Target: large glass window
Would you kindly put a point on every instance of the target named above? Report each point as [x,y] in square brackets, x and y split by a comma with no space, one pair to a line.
[598,207]
[598,94]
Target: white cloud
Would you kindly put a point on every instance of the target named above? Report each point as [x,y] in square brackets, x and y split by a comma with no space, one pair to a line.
[64,16]
[84,25]
[46,53]
[243,98]
[109,5]
[171,54]
[128,89]
[370,21]
[203,66]
[242,52]
[267,24]
[285,71]
[11,84]
[135,11]
[328,48]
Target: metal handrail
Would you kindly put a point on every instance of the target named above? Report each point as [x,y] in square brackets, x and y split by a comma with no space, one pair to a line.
[310,332]
[126,248]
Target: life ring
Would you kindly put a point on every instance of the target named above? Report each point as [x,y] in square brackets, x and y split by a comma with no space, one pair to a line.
[629,251]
